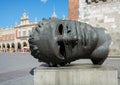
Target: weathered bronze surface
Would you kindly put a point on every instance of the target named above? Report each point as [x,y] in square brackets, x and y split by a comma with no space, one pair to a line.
[58,42]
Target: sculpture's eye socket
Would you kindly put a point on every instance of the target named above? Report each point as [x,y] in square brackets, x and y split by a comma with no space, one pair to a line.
[60,29]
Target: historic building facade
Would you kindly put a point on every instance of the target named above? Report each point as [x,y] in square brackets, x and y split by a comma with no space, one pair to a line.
[99,13]
[16,39]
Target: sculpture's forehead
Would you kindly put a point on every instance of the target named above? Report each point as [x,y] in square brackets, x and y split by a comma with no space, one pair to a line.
[61,21]
[64,22]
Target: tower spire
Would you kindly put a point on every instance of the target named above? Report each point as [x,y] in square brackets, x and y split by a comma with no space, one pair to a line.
[54,13]
[24,18]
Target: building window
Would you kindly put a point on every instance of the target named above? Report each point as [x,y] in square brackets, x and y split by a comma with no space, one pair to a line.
[24,33]
[19,33]
[29,32]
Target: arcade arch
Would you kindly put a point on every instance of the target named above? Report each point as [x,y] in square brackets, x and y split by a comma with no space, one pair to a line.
[13,47]
[8,47]
[25,44]
[0,48]
[3,47]
[25,47]
[19,47]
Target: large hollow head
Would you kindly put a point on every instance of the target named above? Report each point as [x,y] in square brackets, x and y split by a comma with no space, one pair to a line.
[58,42]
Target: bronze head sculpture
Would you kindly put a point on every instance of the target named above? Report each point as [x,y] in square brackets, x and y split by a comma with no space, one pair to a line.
[58,42]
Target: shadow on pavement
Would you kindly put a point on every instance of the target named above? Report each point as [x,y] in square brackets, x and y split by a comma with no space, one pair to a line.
[32,71]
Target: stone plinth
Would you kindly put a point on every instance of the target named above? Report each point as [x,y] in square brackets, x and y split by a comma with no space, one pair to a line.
[75,75]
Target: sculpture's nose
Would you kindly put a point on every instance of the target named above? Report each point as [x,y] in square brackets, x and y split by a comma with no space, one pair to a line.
[66,44]
[66,40]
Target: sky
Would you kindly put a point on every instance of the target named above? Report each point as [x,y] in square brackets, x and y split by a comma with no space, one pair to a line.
[12,10]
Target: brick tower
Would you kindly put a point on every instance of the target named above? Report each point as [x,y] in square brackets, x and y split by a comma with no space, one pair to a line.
[73,9]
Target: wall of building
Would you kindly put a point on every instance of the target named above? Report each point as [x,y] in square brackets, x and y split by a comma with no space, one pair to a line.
[16,39]
[103,14]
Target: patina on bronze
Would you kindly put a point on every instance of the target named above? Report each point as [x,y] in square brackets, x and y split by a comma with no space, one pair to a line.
[59,42]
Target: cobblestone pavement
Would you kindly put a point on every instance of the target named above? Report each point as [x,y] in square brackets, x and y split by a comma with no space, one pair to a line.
[17,68]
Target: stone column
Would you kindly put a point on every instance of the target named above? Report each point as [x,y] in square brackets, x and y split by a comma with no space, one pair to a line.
[16,47]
